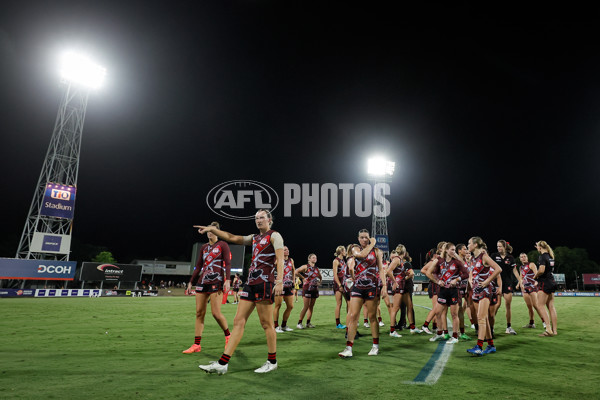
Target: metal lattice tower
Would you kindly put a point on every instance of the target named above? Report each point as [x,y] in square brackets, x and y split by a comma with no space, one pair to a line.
[61,166]
[379,223]
[380,172]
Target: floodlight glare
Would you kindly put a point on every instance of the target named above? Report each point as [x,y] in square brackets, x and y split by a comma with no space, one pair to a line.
[78,69]
[380,167]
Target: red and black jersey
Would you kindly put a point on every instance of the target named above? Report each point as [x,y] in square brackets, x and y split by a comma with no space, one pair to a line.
[480,271]
[263,259]
[236,283]
[288,273]
[312,276]
[402,270]
[214,264]
[343,271]
[450,270]
[366,271]
[527,276]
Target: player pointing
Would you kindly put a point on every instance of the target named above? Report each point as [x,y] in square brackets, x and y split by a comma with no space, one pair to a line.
[259,290]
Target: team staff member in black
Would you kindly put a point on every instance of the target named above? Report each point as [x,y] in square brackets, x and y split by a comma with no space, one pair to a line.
[508,264]
[547,287]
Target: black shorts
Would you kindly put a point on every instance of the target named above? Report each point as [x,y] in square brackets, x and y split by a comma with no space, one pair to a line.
[237,289]
[345,293]
[259,292]
[365,294]
[448,296]
[547,286]
[433,289]
[210,288]
[530,289]
[390,290]
[310,293]
[507,287]
[287,291]
[409,286]
[401,289]
[494,300]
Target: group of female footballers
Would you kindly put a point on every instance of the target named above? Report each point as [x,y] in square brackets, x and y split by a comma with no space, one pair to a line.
[463,278]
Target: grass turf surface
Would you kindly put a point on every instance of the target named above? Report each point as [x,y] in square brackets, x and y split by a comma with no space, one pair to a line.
[131,348]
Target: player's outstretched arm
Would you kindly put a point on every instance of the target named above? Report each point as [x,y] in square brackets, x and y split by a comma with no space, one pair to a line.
[226,236]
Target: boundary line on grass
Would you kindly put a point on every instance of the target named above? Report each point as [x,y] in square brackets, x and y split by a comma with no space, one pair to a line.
[433,369]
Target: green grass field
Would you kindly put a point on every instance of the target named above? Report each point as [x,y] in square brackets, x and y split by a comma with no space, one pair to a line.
[131,348]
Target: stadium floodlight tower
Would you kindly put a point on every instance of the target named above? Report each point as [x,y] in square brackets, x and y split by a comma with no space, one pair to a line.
[380,172]
[47,232]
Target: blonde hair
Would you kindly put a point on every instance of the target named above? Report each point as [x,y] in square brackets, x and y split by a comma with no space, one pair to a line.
[401,250]
[338,250]
[446,248]
[310,255]
[268,214]
[349,249]
[479,242]
[546,247]
[506,245]
[440,247]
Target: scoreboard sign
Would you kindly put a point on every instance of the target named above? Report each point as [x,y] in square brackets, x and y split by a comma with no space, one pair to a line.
[59,201]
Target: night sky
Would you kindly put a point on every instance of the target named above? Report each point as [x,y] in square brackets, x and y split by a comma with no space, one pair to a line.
[493,125]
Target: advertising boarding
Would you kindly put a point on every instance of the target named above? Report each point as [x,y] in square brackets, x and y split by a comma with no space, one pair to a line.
[14,268]
[91,271]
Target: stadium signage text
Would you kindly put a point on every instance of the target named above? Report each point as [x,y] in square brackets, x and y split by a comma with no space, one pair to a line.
[91,271]
[13,268]
[59,201]
[54,269]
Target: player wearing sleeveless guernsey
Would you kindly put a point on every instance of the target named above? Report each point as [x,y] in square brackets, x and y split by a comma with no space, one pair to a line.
[259,290]
[289,272]
[211,277]
[547,287]
[364,291]
[408,288]
[406,304]
[433,290]
[485,270]
[236,288]
[528,286]
[503,258]
[448,271]
[469,295]
[340,275]
[310,289]
[386,296]
[395,287]
[464,303]
[351,263]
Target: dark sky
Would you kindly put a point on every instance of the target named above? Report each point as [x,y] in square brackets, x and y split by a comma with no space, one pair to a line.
[493,124]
